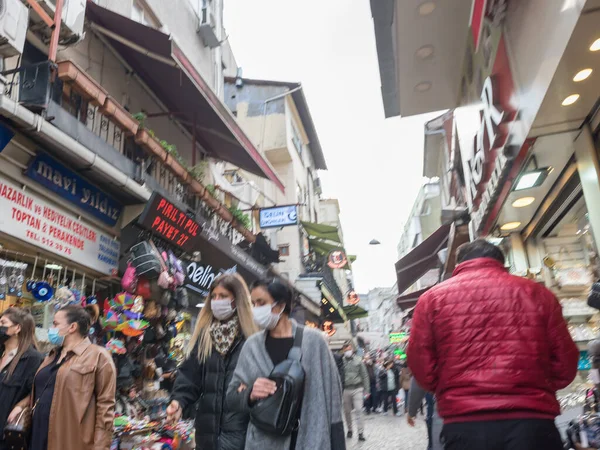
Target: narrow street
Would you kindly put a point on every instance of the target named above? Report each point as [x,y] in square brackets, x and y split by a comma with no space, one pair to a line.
[391,433]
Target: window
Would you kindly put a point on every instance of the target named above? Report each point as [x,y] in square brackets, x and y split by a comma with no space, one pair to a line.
[296,139]
[233,176]
[284,250]
[141,15]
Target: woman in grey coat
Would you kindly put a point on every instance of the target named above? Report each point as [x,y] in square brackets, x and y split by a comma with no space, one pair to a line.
[415,400]
[321,425]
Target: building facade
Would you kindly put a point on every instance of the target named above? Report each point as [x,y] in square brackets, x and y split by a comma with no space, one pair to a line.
[520,144]
[108,120]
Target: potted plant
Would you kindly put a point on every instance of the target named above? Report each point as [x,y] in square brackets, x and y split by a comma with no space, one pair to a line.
[85,85]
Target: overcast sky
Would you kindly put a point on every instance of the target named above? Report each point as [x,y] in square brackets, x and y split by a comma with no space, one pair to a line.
[375,164]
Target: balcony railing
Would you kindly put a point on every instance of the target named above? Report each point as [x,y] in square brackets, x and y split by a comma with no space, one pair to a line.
[318,268]
[79,106]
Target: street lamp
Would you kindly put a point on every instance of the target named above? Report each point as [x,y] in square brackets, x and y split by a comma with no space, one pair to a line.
[374,242]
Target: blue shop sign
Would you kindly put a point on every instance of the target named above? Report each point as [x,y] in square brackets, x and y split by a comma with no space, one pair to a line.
[6,134]
[71,186]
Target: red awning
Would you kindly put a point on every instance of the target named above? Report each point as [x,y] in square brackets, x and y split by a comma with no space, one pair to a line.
[161,64]
[421,258]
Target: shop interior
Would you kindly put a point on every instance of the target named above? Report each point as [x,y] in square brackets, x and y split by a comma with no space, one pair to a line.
[146,337]
[545,224]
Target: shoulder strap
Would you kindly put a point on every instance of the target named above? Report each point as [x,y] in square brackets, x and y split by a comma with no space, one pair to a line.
[296,350]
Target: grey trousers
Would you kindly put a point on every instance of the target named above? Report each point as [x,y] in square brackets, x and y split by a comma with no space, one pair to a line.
[353,399]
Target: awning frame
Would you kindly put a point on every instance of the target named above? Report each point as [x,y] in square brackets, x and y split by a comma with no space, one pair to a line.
[167,45]
[422,257]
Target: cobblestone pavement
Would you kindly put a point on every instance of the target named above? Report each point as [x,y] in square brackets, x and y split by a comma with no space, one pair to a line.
[390,433]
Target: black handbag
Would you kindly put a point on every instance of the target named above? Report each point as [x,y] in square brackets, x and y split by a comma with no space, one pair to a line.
[146,260]
[16,435]
[279,414]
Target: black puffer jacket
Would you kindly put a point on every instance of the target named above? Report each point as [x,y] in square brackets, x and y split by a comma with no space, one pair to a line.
[217,428]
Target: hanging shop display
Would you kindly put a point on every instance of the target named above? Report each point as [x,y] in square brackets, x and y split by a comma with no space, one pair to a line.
[140,320]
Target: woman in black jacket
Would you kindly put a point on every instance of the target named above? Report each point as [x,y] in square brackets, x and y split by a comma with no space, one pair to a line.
[223,325]
[18,365]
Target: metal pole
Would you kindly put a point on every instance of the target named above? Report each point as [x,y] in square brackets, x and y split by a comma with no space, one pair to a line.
[56,31]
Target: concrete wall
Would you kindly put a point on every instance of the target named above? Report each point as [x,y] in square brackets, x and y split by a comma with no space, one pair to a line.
[180,18]
[424,218]
[272,134]
[100,63]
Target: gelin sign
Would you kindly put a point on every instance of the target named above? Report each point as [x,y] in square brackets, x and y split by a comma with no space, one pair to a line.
[279,216]
[31,218]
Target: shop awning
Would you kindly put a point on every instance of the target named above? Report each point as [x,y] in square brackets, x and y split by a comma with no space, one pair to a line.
[408,301]
[355,312]
[321,231]
[331,308]
[323,248]
[162,65]
[421,258]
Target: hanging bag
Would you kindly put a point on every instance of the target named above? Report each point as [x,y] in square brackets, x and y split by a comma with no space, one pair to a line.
[279,414]
[130,280]
[146,260]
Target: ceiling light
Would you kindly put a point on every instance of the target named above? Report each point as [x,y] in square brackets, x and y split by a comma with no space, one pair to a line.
[570,99]
[424,52]
[595,46]
[426,8]
[54,267]
[423,87]
[532,178]
[510,226]
[200,305]
[523,201]
[582,75]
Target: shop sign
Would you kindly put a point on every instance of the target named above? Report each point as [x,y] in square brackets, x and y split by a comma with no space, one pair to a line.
[67,184]
[396,338]
[32,219]
[279,216]
[170,223]
[6,134]
[337,259]
[200,276]
[489,144]
[329,328]
[352,298]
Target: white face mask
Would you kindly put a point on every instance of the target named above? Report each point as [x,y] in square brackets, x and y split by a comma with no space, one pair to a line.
[265,318]
[222,309]
[595,376]
[348,354]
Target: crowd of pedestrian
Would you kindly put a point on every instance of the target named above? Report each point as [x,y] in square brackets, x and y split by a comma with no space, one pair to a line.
[486,355]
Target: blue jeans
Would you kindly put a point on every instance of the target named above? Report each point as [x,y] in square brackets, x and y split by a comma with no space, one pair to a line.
[430,401]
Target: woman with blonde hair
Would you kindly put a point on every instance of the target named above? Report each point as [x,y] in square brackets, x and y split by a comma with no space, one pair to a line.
[19,363]
[224,324]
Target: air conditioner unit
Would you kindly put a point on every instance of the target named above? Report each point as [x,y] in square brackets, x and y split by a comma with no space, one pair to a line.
[208,24]
[14,18]
[73,17]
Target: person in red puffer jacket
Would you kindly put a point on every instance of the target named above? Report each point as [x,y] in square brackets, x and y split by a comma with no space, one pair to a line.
[494,348]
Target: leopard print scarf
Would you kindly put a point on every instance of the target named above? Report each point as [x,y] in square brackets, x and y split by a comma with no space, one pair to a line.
[225,333]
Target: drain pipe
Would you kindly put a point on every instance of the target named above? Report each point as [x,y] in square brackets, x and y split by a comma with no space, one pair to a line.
[39,126]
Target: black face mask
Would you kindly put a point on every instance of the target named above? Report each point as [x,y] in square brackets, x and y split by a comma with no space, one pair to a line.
[4,335]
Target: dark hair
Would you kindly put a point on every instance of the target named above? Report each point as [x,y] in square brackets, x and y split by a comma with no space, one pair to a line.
[23,318]
[479,248]
[77,314]
[280,292]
